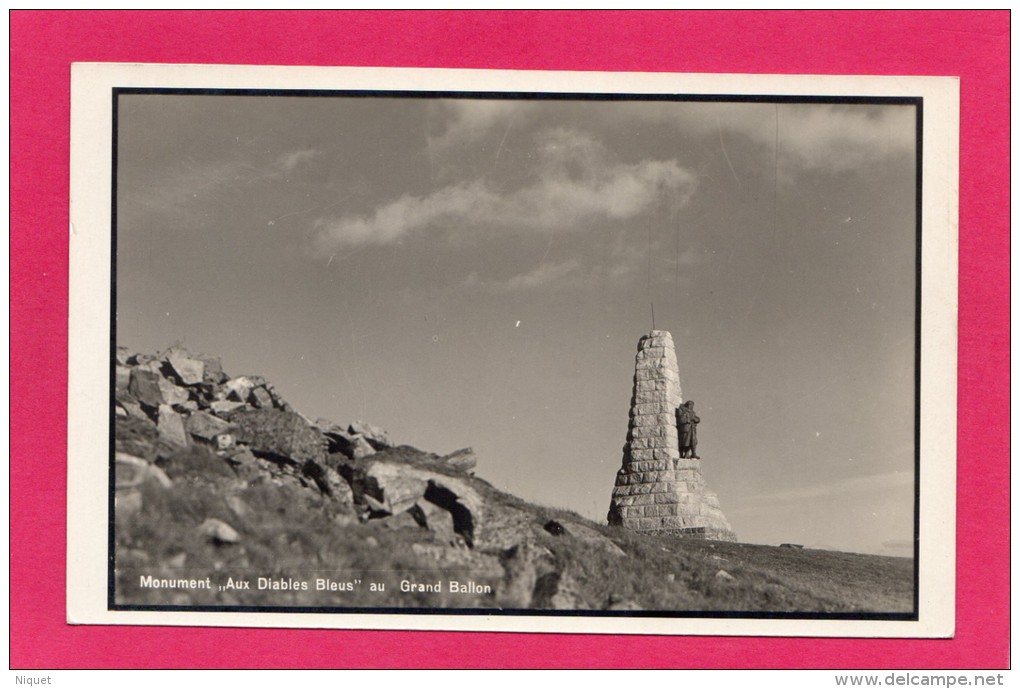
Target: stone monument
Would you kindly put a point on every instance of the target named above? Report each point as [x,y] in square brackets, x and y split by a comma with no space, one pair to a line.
[658,491]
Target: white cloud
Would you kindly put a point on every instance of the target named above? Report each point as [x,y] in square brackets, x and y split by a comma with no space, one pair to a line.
[841,138]
[466,121]
[290,160]
[811,136]
[576,184]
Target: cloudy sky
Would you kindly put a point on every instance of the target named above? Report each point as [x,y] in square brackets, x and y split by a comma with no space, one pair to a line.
[478,273]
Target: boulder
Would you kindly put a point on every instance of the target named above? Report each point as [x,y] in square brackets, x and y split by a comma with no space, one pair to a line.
[463,460]
[554,527]
[317,473]
[395,487]
[212,369]
[150,364]
[339,489]
[278,400]
[279,434]
[238,389]
[460,500]
[144,387]
[206,426]
[189,371]
[392,487]
[171,426]
[348,444]
[438,520]
[171,393]
[218,532]
[360,448]
[223,407]
[133,408]
[260,398]
[339,440]
[377,437]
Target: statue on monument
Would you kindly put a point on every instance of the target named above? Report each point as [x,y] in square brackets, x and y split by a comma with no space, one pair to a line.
[687,427]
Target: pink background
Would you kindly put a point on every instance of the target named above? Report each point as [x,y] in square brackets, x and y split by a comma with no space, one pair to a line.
[971,45]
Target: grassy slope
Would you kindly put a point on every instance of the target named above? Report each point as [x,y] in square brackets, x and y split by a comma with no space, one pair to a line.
[662,573]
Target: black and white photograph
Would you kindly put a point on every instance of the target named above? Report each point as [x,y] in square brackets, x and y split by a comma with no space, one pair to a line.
[515,353]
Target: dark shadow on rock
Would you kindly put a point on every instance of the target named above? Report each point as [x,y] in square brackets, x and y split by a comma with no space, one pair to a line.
[463,521]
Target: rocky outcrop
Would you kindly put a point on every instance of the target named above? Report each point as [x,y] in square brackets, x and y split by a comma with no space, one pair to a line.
[181,411]
[190,399]
[385,486]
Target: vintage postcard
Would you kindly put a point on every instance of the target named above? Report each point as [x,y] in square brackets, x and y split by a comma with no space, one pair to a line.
[512,351]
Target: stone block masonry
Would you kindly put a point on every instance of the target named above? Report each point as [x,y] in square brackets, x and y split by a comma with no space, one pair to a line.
[656,490]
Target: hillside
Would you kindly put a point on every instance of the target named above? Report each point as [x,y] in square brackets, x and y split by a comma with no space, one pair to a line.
[227,496]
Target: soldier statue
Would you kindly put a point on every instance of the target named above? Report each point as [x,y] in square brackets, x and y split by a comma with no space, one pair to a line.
[687,427]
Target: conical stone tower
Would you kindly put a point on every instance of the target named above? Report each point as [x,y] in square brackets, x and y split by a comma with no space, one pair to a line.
[656,490]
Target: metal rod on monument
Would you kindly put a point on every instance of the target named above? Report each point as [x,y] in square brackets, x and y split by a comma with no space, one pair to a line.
[653,314]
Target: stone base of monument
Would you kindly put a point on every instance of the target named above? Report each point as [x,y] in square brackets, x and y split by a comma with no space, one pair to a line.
[670,501]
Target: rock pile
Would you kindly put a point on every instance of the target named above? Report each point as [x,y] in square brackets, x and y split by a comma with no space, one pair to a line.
[656,490]
[187,400]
